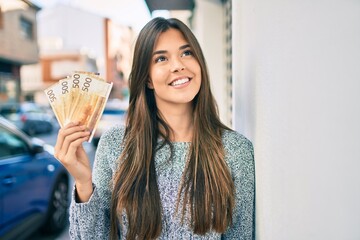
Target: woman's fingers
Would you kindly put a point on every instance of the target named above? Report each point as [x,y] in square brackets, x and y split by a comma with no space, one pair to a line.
[61,135]
[69,139]
[66,136]
[72,144]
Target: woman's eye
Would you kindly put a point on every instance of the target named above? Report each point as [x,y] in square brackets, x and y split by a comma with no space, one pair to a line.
[160,59]
[187,53]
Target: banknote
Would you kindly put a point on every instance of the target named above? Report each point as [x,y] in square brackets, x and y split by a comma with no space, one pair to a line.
[81,97]
[89,100]
[55,94]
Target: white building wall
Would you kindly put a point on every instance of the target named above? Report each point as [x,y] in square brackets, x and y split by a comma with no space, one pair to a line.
[296,96]
[208,26]
[65,28]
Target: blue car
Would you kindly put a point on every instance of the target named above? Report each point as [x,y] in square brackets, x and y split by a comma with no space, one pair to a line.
[34,186]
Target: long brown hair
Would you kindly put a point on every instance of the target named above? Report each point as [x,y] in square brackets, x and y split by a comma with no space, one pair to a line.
[207,187]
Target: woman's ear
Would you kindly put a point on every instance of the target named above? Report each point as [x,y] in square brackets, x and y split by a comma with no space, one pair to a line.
[150,84]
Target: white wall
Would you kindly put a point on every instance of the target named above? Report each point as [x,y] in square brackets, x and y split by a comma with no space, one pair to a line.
[297,97]
[208,27]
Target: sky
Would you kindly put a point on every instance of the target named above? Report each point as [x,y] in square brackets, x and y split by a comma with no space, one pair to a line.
[132,13]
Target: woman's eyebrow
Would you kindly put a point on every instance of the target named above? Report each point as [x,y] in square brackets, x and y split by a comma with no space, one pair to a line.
[184,46]
[159,52]
[164,51]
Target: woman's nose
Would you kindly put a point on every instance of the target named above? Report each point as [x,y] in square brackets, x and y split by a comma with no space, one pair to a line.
[177,66]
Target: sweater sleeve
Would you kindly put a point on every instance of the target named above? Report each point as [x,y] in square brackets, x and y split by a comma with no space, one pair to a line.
[241,162]
[91,220]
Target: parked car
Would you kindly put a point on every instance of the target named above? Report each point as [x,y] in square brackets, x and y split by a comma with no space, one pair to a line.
[114,114]
[28,116]
[34,190]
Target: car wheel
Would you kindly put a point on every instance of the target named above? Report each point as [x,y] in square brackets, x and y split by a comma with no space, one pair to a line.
[57,215]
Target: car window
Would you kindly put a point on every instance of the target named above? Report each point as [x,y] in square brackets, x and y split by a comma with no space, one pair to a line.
[11,145]
[9,110]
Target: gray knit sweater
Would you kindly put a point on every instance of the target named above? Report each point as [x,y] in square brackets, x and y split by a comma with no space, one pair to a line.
[91,220]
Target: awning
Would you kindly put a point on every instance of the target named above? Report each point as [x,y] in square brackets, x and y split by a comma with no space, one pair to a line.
[170,5]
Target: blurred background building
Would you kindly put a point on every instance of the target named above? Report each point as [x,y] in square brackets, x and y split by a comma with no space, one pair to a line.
[18,45]
[39,48]
[74,39]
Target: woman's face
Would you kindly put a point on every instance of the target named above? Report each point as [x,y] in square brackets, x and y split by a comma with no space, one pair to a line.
[175,74]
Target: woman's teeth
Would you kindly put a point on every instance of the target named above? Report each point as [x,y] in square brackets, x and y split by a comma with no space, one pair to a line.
[179,82]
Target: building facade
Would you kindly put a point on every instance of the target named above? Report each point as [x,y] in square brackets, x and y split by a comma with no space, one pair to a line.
[18,45]
[72,39]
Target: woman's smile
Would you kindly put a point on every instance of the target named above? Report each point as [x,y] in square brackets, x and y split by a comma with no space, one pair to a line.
[180,82]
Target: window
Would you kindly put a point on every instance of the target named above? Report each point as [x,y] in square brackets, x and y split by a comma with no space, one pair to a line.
[27,28]
[1,19]
[11,145]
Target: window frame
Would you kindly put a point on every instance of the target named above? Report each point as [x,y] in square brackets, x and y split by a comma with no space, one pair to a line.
[26,28]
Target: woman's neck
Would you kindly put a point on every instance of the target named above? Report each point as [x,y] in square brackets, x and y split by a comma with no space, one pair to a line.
[180,120]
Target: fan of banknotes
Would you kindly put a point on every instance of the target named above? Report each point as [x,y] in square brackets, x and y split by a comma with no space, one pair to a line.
[81,98]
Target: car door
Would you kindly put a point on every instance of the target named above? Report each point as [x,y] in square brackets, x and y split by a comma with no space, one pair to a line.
[18,179]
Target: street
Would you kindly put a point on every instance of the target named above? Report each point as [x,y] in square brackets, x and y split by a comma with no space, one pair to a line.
[90,149]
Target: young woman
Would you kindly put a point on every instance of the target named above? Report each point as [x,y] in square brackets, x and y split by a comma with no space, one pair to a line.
[174,171]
